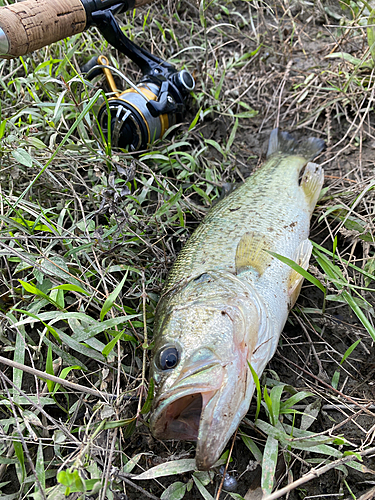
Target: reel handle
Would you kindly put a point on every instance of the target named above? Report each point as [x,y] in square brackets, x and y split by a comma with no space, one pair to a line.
[32,24]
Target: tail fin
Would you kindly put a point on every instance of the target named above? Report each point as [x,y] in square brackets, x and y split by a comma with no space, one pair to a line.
[282,142]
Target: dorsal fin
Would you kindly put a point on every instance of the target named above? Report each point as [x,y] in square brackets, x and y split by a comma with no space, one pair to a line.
[250,253]
[282,142]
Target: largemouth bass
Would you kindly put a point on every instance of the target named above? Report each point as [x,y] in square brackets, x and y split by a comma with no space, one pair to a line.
[226,299]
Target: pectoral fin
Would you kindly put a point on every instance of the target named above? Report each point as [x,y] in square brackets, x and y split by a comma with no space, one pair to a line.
[312,182]
[251,253]
[302,258]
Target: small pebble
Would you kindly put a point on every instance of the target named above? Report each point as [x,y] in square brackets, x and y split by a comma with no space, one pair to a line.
[230,482]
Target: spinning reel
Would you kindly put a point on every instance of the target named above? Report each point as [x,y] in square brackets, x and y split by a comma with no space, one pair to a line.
[145,111]
[135,117]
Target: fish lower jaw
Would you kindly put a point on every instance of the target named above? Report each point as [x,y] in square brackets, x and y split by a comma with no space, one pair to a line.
[181,418]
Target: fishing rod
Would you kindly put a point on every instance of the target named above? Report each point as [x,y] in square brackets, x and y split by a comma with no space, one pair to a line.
[135,117]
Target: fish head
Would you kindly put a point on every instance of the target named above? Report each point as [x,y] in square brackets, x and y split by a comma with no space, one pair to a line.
[203,384]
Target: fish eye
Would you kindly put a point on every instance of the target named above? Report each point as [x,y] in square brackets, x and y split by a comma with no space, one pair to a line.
[168,358]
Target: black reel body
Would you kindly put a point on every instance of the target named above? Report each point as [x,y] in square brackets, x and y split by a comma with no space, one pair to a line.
[141,114]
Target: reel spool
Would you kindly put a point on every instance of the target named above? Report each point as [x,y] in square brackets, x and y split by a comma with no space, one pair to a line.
[141,114]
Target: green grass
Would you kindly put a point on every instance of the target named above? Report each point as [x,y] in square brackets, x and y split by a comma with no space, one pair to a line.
[88,234]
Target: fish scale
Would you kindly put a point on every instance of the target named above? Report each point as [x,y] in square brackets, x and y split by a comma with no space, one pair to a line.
[270,191]
[226,299]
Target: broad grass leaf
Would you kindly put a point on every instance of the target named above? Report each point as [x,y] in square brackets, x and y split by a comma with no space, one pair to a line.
[121,268]
[39,467]
[336,375]
[359,467]
[371,34]
[2,128]
[202,18]
[269,464]
[232,136]
[32,225]
[36,143]
[68,340]
[275,396]
[18,356]
[68,358]
[58,296]
[335,379]
[252,447]
[359,313]
[111,299]
[78,347]
[350,350]
[169,469]
[22,157]
[268,402]
[204,476]
[310,414]
[202,193]
[150,396]
[169,204]
[71,288]
[115,424]
[175,491]
[13,224]
[49,369]
[299,270]
[129,429]
[296,398]
[245,114]
[108,324]
[129,466]
[308,441]
[219,86]
[202,490]
[223,459]
[37,400]
[51,330]
[195,121]
[348,58]
[92,329]
[20,466]
[29,287]
[64,373]
[328,211]
[323,250]
[215,145]
[334,274]
[111,344]
[331,270]
[56,266]
[259,391]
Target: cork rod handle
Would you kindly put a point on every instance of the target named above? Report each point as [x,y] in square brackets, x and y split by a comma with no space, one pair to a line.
[32,24]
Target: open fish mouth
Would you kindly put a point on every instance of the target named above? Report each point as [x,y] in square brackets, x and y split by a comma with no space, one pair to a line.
[179,412]
[181,418]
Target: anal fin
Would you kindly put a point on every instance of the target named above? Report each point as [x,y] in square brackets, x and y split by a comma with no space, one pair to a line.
[302,258]
[250,253]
